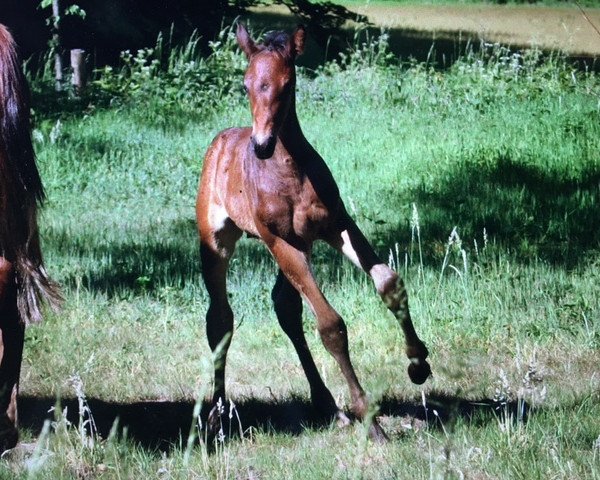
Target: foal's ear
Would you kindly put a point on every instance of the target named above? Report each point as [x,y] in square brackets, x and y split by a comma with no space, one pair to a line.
[244,41]
[298,38]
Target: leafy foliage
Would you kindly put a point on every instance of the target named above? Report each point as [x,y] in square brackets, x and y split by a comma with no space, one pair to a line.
[181,79]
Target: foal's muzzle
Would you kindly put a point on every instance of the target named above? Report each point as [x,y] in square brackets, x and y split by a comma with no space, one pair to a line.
[264,149]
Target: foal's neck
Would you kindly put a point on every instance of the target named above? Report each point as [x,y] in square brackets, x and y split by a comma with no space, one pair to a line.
[291,134]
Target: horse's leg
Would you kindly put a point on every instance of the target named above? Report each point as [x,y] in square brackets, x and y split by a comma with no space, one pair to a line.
[351,241]
[332,329]
[288,307]
[11,351]
[219,316]
[216,248]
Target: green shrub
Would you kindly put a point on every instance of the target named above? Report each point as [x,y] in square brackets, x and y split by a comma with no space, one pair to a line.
[178,79]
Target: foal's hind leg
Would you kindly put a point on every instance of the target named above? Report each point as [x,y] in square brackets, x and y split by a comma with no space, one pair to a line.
[351,241]
[11,350]
[288,307]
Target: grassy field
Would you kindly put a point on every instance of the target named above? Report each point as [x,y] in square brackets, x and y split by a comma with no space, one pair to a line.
[479,183]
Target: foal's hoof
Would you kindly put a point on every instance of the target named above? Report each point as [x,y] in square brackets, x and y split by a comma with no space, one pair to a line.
[342,420]
[213,424]
[9,435]
[419,372]
[377,434]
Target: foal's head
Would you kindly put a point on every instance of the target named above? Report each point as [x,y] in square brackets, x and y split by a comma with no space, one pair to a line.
[270,81]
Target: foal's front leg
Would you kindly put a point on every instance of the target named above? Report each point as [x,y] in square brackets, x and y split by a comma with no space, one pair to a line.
[295,266]
[351,241]
[216,248]
[219,316]
[288,307]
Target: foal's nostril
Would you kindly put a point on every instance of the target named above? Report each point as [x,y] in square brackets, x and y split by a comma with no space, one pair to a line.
[265,149]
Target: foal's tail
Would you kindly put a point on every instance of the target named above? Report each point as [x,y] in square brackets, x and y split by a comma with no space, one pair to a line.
[21,190]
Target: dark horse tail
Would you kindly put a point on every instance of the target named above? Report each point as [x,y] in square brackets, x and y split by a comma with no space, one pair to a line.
[21,190]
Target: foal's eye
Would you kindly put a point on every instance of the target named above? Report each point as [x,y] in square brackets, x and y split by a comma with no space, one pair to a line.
[244,88]
[264,87]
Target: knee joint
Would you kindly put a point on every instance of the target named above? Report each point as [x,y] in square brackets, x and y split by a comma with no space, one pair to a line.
[390,287]
[334,334]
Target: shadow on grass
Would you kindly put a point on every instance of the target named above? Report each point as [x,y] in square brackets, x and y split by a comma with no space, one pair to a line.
[168,258]
[118,263]
[156,425]
[531,212]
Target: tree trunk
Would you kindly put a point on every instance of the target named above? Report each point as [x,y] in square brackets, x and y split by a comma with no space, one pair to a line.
[78,66]
[58,66]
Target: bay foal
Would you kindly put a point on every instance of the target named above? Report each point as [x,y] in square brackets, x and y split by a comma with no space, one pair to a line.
[23,279]
[269,182]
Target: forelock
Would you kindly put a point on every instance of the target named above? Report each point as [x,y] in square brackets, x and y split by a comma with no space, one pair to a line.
[276,40]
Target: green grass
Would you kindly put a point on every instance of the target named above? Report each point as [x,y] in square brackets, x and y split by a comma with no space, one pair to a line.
[503,148]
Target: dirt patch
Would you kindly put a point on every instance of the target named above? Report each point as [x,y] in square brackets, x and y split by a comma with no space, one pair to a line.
[549,28]
[564,29]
